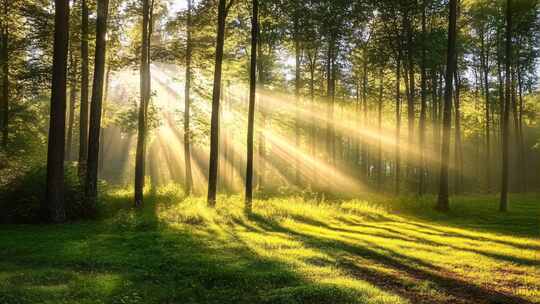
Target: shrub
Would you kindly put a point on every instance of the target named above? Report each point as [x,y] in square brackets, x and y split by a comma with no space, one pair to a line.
[22,196]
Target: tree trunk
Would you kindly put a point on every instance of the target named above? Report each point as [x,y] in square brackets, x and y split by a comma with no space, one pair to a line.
[458,149]
[72,101]
[83,116]
[485,68]
[411,94]
[95,106]
[503,207]
[5,78]
[251,113]
[297,83]
[144,100]
[398,123]
[442,200]
[423,106]
[379,127]
[54,203]
[188,183]
[216,94]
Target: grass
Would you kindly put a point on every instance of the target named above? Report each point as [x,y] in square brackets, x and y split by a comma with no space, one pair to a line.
[290,250]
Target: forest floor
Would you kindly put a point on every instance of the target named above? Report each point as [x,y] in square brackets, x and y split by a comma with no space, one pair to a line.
[289,251]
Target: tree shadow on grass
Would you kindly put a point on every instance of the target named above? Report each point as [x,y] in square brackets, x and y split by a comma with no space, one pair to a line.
[458,290]
[134,257]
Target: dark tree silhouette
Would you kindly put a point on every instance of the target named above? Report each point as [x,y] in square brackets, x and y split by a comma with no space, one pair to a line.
[54,202]
[442,200]
[251,112]
[95,107]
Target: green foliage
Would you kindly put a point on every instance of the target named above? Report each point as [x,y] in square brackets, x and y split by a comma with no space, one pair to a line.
[22,196]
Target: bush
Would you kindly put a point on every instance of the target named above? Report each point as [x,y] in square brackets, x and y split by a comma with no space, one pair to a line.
[22,196]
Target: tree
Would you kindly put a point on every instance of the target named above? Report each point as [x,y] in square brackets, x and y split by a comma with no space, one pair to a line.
[4,28]
[251,113]
[503,206]
[83,117]
[187,134]
[223,8]
[442,200]
[95,107]
[54,202]
[143,105]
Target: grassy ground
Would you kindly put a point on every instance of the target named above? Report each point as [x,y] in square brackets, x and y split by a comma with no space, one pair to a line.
[288,251]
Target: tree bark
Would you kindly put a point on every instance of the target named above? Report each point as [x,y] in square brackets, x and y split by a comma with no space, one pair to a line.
[72,101]
[485,68]
[216,94]
[83,116]
[398,123]
[251,112]
[5,77]
[188,183]
[95,107]
[144,100]
[54,202]
[503,206]
[443,200]
[423,107]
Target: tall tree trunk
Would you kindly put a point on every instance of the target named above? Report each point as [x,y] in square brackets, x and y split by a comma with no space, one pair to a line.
[458,149]
[409,76]
[54,202]
[83,116]
[95,106]
[144,100]
[423,106]
[188,183]
[435,121]
[398,123]
[72,101]
[485,68]
[251,113]
[5,77]
[379,127]
[503,207]
[365,144]
[297,83]
[104,112]
[521,148]
[442,200]
[216,94]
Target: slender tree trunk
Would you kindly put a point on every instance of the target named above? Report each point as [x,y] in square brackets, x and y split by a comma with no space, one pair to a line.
[251,113]
[379,127]
[95,106]
[144,100]
[458,149]
[521,148]
[54,203]
[411,94]
[297,83]
[72,101]
[188,183]
[83,116]
[216,94]
[5,77]
[423,106]
[398,123]
[442,200]
[485,69]
[503,207]
[365,144]
[103,115]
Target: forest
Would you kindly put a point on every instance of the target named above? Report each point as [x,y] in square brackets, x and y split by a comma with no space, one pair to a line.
[270,151]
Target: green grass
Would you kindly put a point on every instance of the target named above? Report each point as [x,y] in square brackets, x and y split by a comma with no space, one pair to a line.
[177,250]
